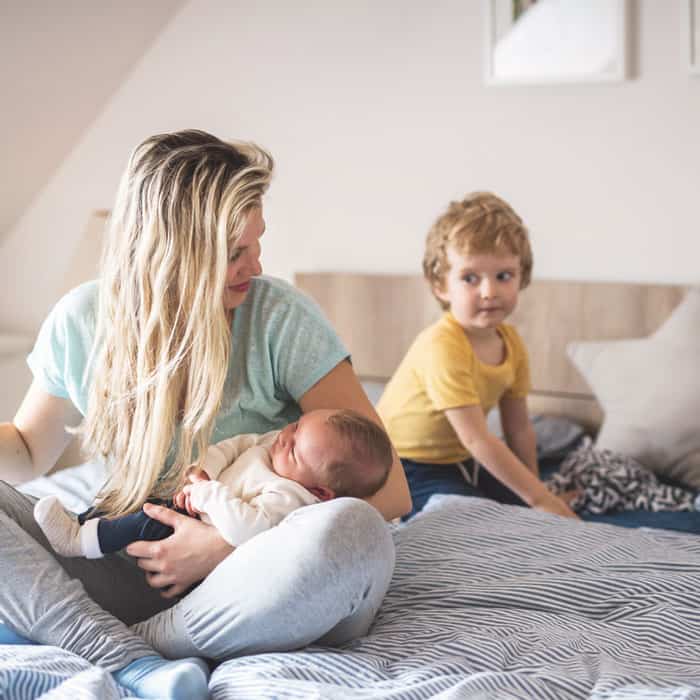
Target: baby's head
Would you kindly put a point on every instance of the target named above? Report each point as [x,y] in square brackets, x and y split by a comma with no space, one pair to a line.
[481,223]
[334,453]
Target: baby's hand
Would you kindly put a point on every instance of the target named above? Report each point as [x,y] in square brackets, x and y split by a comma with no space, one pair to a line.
[182,499]
[194,474]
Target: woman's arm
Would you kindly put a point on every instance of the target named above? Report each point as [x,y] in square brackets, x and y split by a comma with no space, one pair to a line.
[32,443]
[518,431]
[470,425]
[340,388]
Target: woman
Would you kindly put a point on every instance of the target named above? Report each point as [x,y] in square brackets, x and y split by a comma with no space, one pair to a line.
[152,366]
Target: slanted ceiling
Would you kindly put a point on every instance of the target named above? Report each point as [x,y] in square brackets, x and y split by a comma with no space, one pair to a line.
[59,64]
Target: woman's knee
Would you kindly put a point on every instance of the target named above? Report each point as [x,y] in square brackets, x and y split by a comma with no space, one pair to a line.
[342,525]
[340,512]
[18,507]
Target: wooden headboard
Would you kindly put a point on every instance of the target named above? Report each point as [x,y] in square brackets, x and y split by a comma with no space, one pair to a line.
[378,316]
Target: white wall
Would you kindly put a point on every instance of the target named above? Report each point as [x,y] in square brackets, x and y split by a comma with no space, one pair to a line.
[61,61]
[377,116]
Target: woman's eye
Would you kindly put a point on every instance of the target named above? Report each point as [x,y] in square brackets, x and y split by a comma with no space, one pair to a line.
[235,255]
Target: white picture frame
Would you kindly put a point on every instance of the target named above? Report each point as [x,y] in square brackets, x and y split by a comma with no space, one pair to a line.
[690,35]
[555,41]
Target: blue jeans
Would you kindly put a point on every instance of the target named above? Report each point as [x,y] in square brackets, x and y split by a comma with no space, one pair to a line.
[426,479]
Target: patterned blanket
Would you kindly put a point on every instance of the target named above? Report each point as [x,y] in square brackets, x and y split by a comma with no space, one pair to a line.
[609,482]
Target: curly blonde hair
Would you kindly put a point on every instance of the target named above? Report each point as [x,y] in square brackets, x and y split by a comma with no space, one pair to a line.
[480,223]
[163,338]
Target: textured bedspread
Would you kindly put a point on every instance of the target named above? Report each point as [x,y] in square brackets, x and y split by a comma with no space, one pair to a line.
[487,601]
[491,601]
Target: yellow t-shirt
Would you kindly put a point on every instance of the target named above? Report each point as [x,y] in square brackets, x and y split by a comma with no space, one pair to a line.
[441,371]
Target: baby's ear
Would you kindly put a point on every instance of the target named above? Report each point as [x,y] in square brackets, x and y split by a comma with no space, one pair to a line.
[323,493]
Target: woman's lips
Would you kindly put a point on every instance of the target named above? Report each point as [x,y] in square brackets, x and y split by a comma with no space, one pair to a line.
[240,287]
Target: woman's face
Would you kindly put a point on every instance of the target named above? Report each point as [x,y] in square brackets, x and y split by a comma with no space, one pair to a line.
[244,260]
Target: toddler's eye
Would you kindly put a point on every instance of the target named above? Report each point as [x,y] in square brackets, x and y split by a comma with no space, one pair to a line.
[505,276]
[471,278]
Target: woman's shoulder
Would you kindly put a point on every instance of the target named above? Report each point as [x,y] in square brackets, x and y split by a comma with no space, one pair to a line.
[78,307]
[271,296]
[275,288]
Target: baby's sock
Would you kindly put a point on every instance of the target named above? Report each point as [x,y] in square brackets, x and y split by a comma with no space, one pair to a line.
[9,636]
[62,530]
[154,677]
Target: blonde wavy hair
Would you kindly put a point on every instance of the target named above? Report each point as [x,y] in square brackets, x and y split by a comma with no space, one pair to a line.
[480,223]
[163,336]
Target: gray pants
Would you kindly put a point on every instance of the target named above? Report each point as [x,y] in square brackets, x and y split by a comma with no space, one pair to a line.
[319,575]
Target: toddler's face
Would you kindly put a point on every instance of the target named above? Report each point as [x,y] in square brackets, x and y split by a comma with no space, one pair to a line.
[302,449]
[481,289]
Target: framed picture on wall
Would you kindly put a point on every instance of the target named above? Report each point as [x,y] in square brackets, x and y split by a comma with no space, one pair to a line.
[690,35]
[537,42]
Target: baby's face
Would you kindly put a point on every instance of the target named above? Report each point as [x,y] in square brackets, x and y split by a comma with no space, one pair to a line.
[303,449]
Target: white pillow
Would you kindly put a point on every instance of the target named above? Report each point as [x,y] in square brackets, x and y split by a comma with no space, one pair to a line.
[650,392]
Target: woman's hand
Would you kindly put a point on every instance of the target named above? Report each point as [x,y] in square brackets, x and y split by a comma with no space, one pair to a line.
[187,556]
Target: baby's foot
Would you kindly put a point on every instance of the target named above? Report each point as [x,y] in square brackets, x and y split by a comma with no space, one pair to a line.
[61,529]
[154,677]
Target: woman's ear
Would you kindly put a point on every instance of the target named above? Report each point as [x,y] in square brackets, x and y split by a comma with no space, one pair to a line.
[323,493]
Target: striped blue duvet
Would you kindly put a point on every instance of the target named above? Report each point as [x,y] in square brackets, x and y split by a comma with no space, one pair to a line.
[492,601]
[487,601]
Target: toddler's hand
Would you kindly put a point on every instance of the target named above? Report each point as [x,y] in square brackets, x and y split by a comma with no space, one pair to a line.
[552,504]
[569,496]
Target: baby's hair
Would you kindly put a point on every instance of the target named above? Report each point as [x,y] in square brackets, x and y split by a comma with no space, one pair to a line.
[368,457]
[480,223]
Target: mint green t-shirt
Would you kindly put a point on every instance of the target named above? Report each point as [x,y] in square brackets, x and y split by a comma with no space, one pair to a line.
[281,345]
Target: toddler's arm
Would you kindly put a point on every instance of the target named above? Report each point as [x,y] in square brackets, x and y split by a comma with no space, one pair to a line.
[518,431]
[470,426]
[237,520]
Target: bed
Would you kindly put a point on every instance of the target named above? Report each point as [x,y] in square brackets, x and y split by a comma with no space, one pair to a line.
[487,600]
